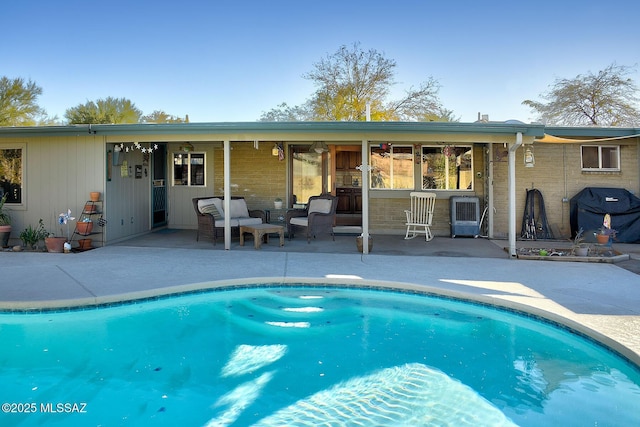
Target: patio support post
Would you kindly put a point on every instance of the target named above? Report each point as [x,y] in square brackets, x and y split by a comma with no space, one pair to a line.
[512,194]
[490,217]
[364,168]
[227,193]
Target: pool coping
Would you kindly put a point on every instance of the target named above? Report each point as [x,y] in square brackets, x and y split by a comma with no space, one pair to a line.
[574,326]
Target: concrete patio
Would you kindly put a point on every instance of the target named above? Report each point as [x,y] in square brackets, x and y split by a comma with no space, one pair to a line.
[599,299]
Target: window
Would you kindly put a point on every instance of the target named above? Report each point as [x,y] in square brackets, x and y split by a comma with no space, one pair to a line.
[447,168]
[188,169]
[11,174]
[600,157]
[392,167]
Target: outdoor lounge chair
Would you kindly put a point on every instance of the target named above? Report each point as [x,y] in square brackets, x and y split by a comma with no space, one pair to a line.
[210,216]
[420,216]
[318,217]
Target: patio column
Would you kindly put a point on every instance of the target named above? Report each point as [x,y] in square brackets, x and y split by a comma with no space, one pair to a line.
[489,179]
[512,194]
[227,193]
[364,169]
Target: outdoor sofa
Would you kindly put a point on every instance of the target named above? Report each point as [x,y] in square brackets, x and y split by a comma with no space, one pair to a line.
[210,214]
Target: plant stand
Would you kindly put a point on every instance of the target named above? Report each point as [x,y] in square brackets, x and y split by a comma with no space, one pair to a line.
[92,210]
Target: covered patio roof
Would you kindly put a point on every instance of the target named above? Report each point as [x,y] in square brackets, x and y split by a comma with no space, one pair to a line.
[288,131]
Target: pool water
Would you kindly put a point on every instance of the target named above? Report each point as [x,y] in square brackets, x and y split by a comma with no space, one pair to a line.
[306,356]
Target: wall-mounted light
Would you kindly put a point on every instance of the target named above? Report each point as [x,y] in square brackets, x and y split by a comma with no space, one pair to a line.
[274,150]
[319,147]
[529,159]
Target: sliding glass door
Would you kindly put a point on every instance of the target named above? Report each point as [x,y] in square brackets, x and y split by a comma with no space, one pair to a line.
[309,173]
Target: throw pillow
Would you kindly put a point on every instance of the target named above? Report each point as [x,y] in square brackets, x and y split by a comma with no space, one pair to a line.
[212,210]
[238,208]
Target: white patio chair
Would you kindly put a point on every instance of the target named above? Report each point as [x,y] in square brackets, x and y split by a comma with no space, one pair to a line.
[420,216]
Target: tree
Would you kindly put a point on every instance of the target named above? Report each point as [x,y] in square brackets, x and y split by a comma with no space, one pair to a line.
[18,105]
[350,79]
[603,99]
[159,116]
[105,111]
[285,113]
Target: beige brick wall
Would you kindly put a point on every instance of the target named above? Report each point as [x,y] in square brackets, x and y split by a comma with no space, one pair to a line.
[255,174]
[557,174]
[387,216]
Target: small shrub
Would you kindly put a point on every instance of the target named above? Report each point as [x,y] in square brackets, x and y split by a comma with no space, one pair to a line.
[31,236]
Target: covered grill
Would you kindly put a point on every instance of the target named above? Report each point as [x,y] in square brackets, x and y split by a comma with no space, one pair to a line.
[588,208]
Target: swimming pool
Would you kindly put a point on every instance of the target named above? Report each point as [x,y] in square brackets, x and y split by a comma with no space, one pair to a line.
[274,356]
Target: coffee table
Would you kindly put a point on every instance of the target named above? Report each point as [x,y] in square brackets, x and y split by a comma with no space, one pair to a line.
[261,232]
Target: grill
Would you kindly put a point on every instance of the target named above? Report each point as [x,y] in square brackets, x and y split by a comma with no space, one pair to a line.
[465,216]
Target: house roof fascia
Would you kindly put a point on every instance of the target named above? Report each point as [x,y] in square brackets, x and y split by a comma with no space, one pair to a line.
[248,129]
[591,132]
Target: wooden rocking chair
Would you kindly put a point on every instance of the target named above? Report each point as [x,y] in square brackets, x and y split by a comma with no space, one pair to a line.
[420,216]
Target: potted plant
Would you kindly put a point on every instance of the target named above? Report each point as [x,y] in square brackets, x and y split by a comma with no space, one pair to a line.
[5,223]
[85,226]
[31,236]
[579,247]
[277,203]
[360,244]
[605,233]
[54,243]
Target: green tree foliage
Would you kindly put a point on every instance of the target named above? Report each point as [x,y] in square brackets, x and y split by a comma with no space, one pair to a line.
[607,98]
[349,79]
[18,105]
[159,116]
[104,111]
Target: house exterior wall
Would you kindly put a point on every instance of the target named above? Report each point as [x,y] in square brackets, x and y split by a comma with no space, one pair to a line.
[128,199]
[59,173]
[557,174]
[64,164]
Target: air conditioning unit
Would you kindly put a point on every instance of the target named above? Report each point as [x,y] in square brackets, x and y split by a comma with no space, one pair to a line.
[465,216]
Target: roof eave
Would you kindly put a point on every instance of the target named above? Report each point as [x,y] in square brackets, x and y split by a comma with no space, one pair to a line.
[534,130]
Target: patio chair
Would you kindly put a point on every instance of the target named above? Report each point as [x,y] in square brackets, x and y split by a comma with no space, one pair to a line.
[420,216]
[318,217]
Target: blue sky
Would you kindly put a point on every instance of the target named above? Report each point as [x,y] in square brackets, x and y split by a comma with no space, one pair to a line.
[233,60]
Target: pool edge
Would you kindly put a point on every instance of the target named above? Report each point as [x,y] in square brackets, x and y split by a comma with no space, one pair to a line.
[573,325]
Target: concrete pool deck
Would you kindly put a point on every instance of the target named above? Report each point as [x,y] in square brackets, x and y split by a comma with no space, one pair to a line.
[599,299]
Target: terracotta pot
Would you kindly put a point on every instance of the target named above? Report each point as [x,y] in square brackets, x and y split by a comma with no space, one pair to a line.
[84,244]
[90,209]
[5,232]
[94,196]
[55,244]
[84,228]
[602,239]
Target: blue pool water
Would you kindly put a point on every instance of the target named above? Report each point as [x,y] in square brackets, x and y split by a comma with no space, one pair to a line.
[306,356]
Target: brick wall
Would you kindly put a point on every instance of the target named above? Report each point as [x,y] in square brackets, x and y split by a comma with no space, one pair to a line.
[557,174]
[255,174]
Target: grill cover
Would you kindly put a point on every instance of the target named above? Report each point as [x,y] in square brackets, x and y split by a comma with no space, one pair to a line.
[588,207]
